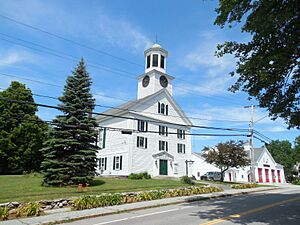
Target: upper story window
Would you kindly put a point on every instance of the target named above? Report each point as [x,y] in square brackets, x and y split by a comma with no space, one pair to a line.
[148,61]
[142,142]
[162,61]
[102,137]
[142,125]
[181,148]
[117,163]
[180,134]
[163,108]
[163,130]
[155,60]
[163,146]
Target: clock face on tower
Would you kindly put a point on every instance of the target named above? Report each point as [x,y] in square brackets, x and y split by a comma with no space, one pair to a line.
[163,81]
[146,81]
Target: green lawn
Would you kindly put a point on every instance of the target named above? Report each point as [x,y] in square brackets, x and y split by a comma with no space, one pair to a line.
[28,187]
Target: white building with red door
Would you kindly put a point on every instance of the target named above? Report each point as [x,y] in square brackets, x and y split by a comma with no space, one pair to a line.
[265,168]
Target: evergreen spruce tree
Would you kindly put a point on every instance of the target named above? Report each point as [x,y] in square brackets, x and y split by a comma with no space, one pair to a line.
[70,155]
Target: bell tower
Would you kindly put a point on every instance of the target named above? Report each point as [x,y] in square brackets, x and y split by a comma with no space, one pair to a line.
[155,77]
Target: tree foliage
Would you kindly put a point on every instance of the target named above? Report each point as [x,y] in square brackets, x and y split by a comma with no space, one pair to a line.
[70,152]
[21,132]
[284,154]
[226,155]
[268,64]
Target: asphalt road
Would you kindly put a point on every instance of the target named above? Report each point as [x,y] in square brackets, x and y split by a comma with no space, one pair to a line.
[272,207]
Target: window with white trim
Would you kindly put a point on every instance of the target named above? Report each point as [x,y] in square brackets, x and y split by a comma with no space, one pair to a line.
[117,163]
[180,134]
[102,163]
[142,142]
[163,108]
[181,148]
[142,125]
[163,130]
[155,60]
[101,137]
[163,146]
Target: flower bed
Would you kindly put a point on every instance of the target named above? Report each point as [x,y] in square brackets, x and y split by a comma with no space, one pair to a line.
[14,209]
[93,201]
[244,186]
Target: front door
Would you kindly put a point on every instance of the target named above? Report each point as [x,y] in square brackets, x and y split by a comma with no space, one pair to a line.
[273,176]
[163,167]
[267,175]
[278,175]
[260,179]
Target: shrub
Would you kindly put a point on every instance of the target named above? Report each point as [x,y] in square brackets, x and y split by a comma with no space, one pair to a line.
[296,182]
[29,209]
[3,213]
[244,186]
[187,180]
[139,176]
[89,201]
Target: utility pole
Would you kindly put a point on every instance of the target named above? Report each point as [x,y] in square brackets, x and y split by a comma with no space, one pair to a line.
[251,130]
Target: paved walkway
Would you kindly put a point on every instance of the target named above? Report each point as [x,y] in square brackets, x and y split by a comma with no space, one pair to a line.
[62,216]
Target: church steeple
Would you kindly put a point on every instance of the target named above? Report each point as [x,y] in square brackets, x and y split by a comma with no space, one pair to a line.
[155,77]
[155,58]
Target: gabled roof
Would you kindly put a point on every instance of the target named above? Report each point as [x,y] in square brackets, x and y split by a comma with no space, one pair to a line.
[258,154]
[198,154]
[129,106]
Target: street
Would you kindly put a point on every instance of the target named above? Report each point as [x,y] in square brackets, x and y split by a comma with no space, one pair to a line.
[271,207]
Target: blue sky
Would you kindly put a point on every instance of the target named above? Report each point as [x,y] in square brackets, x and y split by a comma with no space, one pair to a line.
[125,28]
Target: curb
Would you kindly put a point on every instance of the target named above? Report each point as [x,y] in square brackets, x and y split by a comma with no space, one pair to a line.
[64,219]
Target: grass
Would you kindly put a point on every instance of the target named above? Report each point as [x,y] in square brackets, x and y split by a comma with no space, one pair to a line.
[26,188]
[220,182]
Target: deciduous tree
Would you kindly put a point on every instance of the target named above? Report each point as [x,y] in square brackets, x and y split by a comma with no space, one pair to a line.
[268,64]
[21,131]
[226,155]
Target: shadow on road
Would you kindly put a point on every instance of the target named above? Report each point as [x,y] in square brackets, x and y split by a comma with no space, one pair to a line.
[258,208]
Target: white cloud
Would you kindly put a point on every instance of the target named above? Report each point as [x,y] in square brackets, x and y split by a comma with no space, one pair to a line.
[102,98]
[121,33]
[276,129]
[77,23]
[13,57]
[207,86]
[203,56]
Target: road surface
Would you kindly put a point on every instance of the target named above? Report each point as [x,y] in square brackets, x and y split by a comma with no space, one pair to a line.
[271,207]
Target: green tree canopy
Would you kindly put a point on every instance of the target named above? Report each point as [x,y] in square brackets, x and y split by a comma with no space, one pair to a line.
[70,153]
[267,65]
[283,154]
[226,155]
[21,131]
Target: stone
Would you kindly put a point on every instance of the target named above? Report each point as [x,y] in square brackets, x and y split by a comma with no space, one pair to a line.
[60,205]
[65,202]
[48,207]
[12,211]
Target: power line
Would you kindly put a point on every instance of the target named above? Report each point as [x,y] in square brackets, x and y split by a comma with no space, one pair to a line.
[100,66]
[69,40]
[122,129]
[126,117]
[136,111]
[103,106]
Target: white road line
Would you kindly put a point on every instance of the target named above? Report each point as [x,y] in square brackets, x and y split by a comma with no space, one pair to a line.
[143,215]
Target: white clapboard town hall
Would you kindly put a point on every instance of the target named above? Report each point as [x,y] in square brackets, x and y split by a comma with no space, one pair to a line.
[157,145]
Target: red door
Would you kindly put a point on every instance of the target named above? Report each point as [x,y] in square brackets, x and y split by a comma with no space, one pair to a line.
[260,179]
[267,175]
[273,176]
[278,175]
